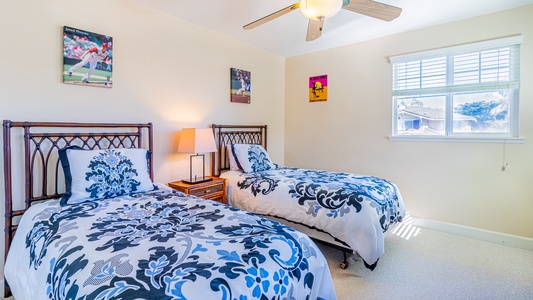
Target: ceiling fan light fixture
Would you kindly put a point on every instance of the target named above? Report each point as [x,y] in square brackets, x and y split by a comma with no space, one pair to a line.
[320,9]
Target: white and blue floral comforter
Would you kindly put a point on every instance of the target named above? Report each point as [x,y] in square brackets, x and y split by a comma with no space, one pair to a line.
[161,245]
[355,209]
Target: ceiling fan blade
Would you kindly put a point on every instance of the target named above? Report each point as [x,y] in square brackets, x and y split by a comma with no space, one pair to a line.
[374,9]
[314,29]
[272,16]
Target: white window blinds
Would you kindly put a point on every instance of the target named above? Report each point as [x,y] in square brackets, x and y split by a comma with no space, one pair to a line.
[488,65]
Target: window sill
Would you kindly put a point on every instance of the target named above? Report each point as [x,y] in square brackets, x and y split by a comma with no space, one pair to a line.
[502,140]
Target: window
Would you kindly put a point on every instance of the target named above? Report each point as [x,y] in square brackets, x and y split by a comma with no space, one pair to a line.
[463,92]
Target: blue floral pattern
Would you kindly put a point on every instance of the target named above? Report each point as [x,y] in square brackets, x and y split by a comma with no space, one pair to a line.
[336,193]
[163,245]
[252,158]
[260,162]
[349,206]
[112,175]
[92,175]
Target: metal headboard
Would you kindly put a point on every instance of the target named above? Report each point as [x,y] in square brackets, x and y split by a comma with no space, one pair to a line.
[227,135]
[36,146]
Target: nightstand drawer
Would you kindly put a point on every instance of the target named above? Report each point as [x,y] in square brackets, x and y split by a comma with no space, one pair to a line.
[206,191]
[219,197]
[212,190]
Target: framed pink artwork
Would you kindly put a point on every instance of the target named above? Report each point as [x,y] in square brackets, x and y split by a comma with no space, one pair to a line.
[318,88]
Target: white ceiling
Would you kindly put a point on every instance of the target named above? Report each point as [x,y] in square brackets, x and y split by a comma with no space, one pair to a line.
[285,36]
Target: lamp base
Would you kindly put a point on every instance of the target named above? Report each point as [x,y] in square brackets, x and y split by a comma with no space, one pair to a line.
[197,180]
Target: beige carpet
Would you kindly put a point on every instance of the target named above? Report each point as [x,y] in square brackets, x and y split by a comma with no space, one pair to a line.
[436,265]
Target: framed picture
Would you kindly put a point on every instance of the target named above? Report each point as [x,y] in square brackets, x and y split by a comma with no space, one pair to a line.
[87,58]
[318,88]
[241,82]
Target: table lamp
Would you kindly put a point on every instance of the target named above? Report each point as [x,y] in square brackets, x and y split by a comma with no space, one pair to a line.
[197,141]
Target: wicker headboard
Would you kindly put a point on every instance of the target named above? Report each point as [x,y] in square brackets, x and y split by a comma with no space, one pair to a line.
[227,135]
[32,170]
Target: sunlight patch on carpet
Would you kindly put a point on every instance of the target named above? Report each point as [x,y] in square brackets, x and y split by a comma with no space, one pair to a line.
[406,229]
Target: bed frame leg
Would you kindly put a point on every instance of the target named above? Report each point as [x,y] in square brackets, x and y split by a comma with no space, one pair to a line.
[345,263]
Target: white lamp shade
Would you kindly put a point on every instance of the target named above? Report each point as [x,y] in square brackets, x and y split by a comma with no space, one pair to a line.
[320,9]
[194,140]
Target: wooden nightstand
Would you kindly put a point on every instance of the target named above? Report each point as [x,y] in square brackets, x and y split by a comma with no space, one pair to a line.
[212,190]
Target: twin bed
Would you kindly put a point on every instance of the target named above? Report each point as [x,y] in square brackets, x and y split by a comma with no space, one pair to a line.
[348,211]
[114,234]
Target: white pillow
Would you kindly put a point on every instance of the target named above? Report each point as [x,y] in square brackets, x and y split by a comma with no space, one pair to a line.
[98,174]
[233,166]
[252,158]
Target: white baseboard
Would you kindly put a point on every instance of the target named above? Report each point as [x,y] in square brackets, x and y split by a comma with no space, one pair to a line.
[476,233]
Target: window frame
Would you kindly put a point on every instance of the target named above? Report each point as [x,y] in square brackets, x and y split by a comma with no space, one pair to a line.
[449,90]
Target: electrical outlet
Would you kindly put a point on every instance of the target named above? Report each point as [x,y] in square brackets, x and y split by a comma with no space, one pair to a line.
[506,167]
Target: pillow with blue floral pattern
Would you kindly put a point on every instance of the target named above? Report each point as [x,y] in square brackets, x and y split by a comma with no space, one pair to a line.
[252,158]
[104,173]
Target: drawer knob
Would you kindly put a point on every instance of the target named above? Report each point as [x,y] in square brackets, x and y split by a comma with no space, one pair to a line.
[207,191]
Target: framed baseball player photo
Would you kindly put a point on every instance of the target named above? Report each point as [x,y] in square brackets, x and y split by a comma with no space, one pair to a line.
[241,82]
[87,58]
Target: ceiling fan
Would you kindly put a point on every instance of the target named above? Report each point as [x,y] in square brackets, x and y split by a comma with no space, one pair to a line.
[319,10]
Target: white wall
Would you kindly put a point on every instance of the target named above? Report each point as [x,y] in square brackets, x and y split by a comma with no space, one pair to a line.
[165,71]
[459,183]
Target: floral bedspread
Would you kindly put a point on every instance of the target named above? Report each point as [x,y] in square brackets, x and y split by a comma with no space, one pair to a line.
[161,245]
[355,209]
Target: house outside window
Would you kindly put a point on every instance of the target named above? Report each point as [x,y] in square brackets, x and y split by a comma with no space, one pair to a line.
[464,92]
